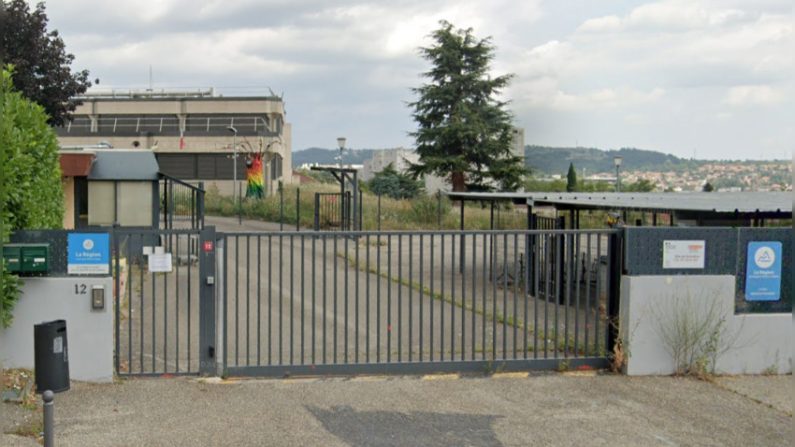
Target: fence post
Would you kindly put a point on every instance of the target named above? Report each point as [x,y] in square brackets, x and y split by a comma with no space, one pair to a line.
[173,205]
[298,209]
[439,207]
[207,281]
[281,206]
[615,269]
[200,206]
[49,418]
[239,203]
[317,211]
[560,260]
[379,212]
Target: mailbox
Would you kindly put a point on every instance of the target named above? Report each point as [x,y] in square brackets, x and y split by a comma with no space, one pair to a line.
[13,257]
[27,258]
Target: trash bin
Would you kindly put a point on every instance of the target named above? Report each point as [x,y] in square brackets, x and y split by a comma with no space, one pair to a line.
[51,359]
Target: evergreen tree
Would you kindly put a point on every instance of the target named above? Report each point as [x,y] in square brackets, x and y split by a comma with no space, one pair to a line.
[464,133]
[571,179]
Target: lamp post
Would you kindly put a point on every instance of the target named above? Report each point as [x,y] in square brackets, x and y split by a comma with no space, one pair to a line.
[235,195]
[617,162]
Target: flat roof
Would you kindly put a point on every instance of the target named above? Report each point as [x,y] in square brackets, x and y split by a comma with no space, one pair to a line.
[717,202]
[333,169]
[121,164]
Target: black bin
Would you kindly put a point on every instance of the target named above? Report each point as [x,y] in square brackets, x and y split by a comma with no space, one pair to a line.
[51,356]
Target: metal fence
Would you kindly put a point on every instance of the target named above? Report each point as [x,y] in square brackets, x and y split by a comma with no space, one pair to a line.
[157,313]
[347,302]
[334,211]
[181,204]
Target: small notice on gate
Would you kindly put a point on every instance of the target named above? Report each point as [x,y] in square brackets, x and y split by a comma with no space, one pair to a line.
[160,262]
[684,254]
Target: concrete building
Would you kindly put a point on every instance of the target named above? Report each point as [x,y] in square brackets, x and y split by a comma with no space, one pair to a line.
[189,132]
[399,158]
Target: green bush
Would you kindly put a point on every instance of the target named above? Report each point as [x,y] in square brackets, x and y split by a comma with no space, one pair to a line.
[31,194]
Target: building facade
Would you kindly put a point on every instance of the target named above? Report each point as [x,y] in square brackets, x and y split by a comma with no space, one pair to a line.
[192,134]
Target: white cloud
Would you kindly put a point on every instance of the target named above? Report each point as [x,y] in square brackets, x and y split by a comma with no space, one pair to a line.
[744,95]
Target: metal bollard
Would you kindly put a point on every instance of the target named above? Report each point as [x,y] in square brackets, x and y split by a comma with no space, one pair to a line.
[49,418]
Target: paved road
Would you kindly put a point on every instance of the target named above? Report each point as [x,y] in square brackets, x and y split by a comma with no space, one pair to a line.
[545,410]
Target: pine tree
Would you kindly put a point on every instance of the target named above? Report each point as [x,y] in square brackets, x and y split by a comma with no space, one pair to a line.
[571,179]
[464,133]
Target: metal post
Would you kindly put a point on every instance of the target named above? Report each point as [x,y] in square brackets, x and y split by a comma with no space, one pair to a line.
[439,207]
[239,206]
[560,261]
[281,206]
[207,281]
[200,206]
[298,209]
[379,212]
[317,211]
[461,264]
[615,270]
[49,418]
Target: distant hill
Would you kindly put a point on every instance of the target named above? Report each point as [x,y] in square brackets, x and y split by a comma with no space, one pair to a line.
[555,160]
[541,159]
[328,156]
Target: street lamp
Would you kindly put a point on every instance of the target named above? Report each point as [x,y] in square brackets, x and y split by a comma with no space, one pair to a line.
[235,198]
[617,162]
[341,144]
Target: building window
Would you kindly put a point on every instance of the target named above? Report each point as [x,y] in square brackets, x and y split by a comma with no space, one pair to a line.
[276,167]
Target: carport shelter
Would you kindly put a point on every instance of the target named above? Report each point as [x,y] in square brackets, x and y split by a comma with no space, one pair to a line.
[681,209]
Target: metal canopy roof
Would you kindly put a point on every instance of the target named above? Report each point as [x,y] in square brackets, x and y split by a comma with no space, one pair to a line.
[117,164]
[716,202]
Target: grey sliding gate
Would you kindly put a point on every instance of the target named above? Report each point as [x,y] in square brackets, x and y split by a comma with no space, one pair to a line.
[296,303]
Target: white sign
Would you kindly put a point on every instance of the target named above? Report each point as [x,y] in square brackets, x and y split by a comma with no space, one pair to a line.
[683,254]
[160,262]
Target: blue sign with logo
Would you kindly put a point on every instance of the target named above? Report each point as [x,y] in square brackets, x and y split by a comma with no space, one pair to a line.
[763,271]
[88,254]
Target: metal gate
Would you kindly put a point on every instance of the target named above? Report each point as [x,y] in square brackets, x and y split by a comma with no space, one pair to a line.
[296,303]
[164,320]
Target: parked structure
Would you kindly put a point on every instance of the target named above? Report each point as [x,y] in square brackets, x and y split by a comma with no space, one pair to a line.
[192,134]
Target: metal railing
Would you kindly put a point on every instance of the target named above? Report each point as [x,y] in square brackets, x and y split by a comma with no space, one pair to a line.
[181,204]
[409,302]
[333,211]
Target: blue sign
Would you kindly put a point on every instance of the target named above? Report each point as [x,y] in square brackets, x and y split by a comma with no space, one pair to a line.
[763,271]
[88,254]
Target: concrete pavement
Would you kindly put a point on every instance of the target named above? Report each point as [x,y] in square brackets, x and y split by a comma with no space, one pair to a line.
[549,409]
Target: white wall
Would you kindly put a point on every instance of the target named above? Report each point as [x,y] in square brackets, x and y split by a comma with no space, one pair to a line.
[758,342]
[89,332]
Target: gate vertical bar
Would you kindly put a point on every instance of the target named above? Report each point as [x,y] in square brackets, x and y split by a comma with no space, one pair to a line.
[613,293]
[207,301]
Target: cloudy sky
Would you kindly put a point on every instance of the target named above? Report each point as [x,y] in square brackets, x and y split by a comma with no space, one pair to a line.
[710,78]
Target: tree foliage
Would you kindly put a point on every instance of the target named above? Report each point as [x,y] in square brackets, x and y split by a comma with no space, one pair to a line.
[464,133]
[42,67]
[397,185]
[571,179]
[31,194]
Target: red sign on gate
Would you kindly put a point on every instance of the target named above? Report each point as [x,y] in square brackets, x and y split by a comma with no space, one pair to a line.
[208,246]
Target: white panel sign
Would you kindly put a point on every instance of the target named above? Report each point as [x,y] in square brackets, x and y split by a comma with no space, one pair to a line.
[160,262]
[683,254]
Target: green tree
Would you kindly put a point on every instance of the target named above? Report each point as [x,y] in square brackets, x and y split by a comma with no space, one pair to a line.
[390,182]
[464,133]
[31,194]
[42,70]
[708,187]
[571,179]
[641,185]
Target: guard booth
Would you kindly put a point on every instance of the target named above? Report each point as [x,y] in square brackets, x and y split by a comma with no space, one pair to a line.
[343,210]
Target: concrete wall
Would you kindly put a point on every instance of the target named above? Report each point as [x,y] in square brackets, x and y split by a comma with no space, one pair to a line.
[89,332]
[755,343]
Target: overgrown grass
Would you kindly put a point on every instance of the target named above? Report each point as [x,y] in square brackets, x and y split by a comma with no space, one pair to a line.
[421,213]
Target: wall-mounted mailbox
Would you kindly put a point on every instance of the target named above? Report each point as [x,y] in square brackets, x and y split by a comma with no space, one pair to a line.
[27,258]
[12,257]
